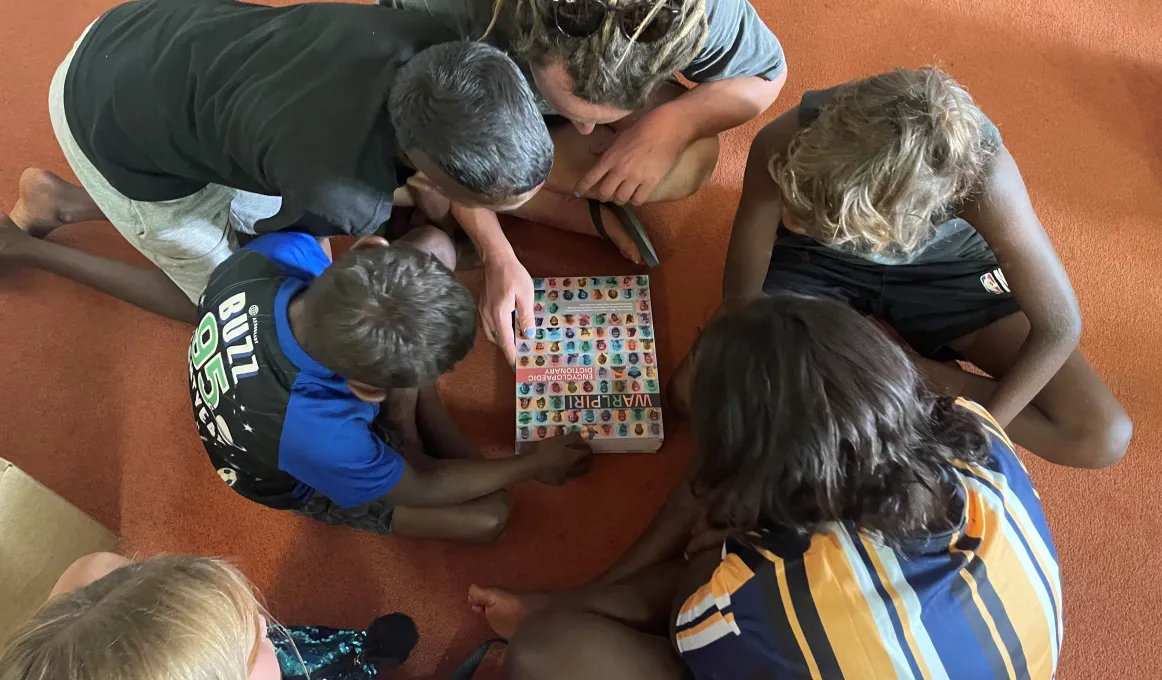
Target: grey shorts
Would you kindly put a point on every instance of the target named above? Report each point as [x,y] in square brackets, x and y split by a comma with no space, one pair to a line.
[186,237]
[375,516]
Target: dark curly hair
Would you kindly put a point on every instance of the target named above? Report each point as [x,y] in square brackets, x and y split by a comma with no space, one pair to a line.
[807,413]
[388,317]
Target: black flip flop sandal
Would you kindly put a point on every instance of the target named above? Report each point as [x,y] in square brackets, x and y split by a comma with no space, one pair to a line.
[633,227]
[467,669]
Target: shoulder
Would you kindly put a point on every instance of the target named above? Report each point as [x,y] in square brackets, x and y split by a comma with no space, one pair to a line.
[323,417]
[292,250]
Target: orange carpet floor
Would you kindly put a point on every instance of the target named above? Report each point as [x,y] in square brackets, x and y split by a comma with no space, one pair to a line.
[94,399]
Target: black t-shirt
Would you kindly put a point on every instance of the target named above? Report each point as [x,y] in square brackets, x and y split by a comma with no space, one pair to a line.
[167,96]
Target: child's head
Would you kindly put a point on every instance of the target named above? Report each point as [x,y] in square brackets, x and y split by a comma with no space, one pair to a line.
[386,316]
[168,618]
[805,413]
[465,116]
[885,156]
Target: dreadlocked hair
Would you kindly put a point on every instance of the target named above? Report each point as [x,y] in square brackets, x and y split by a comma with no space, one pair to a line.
[607,68]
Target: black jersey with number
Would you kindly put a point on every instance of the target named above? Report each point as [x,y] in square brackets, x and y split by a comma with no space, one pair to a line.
[276,424]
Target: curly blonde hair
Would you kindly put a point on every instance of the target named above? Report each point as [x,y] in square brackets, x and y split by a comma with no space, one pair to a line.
[172,617]
[606,68]
[887,157]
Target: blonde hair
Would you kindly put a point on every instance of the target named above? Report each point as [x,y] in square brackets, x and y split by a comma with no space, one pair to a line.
[607,68]
[886,156]
[171,617]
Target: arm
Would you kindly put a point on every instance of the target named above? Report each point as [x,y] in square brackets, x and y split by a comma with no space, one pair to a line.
[507,284]
[643,153]
[752,238]
[713,107]
[1004,216]
[447,482]
[664,539]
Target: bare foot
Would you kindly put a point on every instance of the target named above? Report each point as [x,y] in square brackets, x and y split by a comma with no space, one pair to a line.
[47,202]
[507,610]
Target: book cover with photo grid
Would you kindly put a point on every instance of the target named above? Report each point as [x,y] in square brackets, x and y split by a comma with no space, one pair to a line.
[591,366]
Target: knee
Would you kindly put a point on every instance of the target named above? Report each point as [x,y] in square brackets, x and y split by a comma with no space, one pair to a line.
[539,646]
[1105,438]
[436,242]
[88,569]
[691,172]
[492,518]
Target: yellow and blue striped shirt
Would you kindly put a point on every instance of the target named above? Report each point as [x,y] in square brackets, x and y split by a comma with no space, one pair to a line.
[980,601]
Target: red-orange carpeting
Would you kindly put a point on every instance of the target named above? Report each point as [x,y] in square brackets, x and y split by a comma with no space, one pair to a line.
[95,402]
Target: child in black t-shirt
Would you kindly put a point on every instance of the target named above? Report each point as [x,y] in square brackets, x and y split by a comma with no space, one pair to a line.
[312,386]
[896,195]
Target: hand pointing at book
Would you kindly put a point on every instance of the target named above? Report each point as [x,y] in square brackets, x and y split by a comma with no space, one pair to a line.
[508,290]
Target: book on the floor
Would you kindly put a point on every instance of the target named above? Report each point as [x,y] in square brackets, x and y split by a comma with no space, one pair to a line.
[592,366]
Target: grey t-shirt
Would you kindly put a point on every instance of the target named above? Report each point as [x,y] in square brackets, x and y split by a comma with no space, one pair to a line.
[952,239]
[738,44]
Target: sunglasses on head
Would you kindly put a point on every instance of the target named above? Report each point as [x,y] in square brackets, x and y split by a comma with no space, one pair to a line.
[583,18]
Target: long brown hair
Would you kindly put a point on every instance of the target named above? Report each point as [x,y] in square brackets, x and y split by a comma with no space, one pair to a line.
[806,413]
[606,68]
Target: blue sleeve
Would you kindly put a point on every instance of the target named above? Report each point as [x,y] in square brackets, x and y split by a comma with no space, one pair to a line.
[293,251]
[328,444]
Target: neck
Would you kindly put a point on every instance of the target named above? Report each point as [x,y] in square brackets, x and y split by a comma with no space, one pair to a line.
[295,316]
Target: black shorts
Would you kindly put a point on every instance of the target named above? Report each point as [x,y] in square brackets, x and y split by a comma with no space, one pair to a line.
[929,304]
[375,516]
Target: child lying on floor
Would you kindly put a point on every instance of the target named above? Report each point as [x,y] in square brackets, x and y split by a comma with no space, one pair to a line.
[896,195]
[313,389]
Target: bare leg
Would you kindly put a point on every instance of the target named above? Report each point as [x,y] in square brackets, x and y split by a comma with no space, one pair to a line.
[432,240]
[418,418]
[642,600]
[1075,420]
[612,631]
[148,288]
[481,520]
[568,645]
[46,202]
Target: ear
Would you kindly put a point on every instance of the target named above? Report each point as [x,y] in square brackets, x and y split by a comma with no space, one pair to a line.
[371,241]
[367,393]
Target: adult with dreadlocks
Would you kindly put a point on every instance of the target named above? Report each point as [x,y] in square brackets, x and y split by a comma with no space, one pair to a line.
[864,526]
[624,130]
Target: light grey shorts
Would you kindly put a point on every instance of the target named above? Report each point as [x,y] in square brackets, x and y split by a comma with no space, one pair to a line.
[186,237]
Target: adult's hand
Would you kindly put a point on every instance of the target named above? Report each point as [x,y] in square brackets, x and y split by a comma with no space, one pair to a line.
[508,289]
[636,162]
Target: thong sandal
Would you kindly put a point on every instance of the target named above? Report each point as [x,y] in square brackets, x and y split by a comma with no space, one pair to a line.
[632,225]
[467,669]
